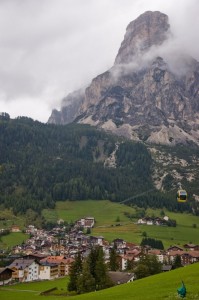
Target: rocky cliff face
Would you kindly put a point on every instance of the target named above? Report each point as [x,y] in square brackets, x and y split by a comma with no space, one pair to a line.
[142,96]
[147,30]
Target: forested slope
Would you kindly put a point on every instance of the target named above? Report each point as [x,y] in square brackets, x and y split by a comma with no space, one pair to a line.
[42,163]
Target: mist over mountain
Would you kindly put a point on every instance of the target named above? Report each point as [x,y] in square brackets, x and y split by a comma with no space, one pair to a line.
[151,92]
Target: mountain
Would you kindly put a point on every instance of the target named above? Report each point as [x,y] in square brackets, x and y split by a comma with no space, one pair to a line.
[150,94]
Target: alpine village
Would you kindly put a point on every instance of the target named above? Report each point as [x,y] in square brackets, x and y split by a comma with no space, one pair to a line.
[103,199]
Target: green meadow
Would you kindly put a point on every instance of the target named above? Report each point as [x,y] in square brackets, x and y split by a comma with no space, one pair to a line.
[157,287]
[111,222]
[104,211]
[32,290]
[12,239]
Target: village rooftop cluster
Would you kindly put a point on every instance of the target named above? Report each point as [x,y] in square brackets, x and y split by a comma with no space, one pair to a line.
[48,254]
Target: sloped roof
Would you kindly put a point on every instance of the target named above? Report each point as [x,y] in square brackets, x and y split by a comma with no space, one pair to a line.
[4,269]
[120,277]
[21,263]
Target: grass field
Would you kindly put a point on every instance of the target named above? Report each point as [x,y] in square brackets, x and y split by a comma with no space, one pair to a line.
[107,213]
[12,239]
[157,287]
[32,290]
[104,211]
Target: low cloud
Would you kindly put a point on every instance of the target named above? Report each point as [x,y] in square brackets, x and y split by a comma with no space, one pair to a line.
[50,48]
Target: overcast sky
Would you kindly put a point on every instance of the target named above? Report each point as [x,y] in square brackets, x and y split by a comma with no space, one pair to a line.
[49,48]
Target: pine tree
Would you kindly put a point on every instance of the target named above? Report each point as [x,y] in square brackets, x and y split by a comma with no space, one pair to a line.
[92,258]
[85,282]
[113,264]
[129,265]
[177,262]
[75,271]
[102,279]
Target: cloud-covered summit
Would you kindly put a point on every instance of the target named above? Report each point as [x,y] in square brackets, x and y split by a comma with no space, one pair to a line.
[50,48]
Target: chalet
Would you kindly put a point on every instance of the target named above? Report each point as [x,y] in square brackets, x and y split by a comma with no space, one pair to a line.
[174,248]
[166,268]
[96,240]
[147,221]
[158,253]
[135,253]
[64,266]
[36,256]
[24,270]
[82,239]
[171,255]
[141,221]
[186,258]
[88,222]
[5,275]
[17,249]
[191,247]
[121,277]
[132,246]
[190,257]
[122,260]
[15,228]
[62,263]
[48,270]
[119,243]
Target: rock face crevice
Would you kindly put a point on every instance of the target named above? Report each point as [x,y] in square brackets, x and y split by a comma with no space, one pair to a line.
[142,96]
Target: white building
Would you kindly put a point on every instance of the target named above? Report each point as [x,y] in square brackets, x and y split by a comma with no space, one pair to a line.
[25,270]
[48,271]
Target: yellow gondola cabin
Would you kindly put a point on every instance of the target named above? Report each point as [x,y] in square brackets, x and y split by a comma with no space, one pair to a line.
[181,196]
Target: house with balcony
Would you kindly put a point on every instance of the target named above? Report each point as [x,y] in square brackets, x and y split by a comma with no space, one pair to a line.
[24,270]
[48,270]
[62,263]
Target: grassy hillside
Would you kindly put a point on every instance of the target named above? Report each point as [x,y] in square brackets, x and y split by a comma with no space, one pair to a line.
[32,290]
[157,287]
[108,216]
[104,211]
[12,239]
[108,213]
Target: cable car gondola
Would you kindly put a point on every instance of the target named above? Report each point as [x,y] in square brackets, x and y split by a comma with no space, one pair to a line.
[181,196]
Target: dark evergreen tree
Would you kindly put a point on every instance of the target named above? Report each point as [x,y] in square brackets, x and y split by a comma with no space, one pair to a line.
[177,262]
[75,271]
[92,276]
[130,265]
[102,279]
[85,281]
[113,263]
[156,244]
